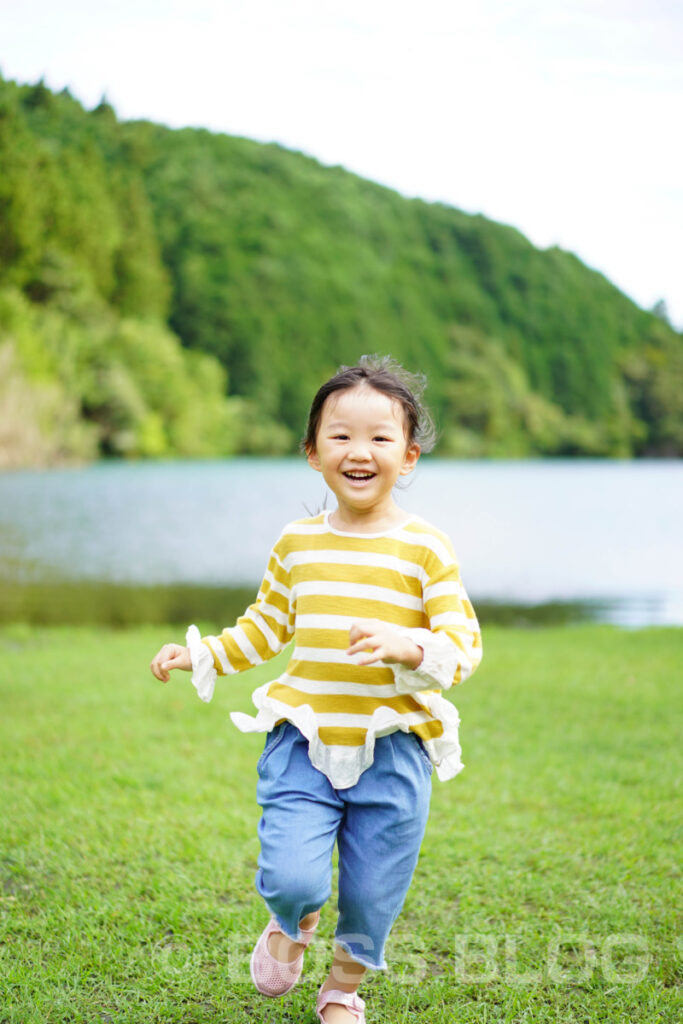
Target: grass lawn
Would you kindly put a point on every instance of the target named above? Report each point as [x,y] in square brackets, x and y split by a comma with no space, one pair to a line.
[547,888]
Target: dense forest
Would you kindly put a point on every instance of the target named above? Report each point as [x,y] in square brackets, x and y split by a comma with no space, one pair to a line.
[178,292]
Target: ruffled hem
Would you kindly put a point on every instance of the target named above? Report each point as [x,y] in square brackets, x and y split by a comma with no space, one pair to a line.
[344,765]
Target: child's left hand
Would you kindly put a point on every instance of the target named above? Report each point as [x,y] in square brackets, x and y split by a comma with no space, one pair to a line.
[376,641]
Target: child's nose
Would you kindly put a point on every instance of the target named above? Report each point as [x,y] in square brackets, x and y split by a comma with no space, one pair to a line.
[360,451]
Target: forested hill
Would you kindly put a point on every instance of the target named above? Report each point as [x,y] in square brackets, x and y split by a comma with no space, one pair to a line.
[179,292]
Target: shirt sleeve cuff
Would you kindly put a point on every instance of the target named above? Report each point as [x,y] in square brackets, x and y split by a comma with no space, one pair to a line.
[437,668]
[203,669]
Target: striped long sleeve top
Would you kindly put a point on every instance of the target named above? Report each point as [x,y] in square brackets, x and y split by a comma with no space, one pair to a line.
[318,582]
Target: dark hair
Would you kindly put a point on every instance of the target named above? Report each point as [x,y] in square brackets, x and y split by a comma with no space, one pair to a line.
[386,375]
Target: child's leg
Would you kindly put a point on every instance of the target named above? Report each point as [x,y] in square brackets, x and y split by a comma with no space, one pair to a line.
[297,831]
[283,948]
[379,842]
[346,973]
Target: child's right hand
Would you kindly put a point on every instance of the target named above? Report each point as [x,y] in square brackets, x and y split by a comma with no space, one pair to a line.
[171,656]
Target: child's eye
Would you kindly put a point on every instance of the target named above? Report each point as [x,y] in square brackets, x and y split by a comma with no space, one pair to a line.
[381,437]
[340,437]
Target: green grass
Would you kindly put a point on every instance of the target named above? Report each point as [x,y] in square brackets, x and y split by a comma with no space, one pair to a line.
[547,888]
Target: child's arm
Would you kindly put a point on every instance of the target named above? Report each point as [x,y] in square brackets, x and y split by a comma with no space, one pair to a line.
[444,654]
[263,631]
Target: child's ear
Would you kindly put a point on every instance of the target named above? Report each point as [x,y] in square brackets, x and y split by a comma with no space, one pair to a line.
[312,458]
[410,458]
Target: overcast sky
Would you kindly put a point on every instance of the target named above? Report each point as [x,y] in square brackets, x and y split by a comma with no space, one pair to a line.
[560,117]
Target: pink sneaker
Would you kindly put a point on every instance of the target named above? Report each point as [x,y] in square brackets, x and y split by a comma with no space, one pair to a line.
[270,976]
[351,1000]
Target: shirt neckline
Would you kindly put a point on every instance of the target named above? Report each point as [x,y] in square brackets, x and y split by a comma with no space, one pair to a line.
[348,533]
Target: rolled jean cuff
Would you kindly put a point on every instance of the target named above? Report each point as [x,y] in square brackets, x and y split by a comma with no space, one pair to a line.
[350,943]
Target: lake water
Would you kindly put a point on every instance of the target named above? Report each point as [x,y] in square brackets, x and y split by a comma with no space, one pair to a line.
[603,533]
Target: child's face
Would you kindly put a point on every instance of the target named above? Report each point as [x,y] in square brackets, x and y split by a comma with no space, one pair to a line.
[361,448]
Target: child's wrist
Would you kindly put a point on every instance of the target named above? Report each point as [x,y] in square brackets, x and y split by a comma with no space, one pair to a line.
[414,655]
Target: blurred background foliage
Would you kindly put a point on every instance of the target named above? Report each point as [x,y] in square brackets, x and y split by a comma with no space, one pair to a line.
[176,292]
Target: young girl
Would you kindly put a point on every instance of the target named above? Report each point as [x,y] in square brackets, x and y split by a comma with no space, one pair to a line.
[381,625]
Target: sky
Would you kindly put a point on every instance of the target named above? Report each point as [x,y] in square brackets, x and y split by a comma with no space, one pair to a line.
[559,117]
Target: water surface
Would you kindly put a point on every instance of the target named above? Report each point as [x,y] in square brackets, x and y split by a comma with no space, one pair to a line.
[603,535]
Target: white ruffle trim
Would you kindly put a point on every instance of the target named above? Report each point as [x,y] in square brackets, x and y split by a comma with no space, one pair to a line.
[343,765]
[437,668]
[203,669]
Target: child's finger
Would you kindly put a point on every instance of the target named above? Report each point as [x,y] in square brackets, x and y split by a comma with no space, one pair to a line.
[356,633]
[361,628]
[176,656]
[163,660]
[370,659]
[364,644]
[158,670]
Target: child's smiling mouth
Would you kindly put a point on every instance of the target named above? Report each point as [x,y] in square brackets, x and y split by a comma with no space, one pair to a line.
[358,474]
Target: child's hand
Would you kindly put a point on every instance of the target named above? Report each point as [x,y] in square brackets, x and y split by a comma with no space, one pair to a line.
[376,641]
[171,656]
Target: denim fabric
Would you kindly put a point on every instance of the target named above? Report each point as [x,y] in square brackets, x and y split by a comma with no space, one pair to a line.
[378,825]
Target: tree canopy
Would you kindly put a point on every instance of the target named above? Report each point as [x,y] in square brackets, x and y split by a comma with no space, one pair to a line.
[178,292]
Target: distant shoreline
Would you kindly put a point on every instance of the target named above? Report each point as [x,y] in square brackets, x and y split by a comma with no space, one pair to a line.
[121,605]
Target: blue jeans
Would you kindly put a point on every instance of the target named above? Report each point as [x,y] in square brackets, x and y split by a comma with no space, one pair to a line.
[378,825]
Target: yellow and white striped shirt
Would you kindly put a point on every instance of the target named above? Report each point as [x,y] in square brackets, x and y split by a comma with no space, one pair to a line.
[318,582]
